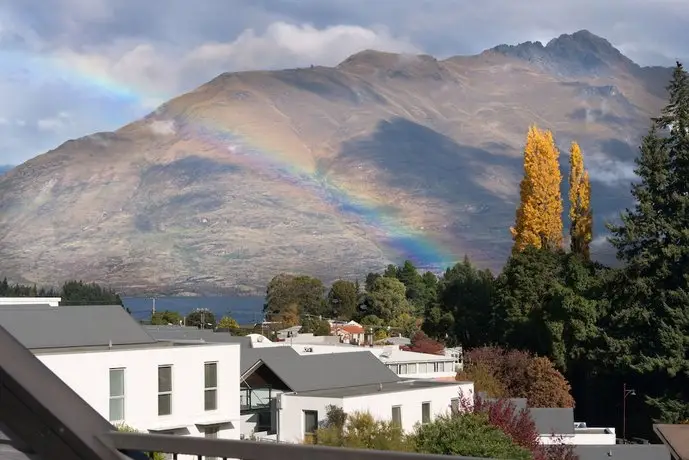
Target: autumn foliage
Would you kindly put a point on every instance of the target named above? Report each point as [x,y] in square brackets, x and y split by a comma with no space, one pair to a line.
[421,343]
[539,215]
[520,374]
[580,216]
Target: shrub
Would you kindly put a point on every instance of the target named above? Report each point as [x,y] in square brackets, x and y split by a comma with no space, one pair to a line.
[128,429]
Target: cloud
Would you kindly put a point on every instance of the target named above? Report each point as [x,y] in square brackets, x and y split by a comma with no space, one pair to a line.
[106,62]
[609,171]
[163,127]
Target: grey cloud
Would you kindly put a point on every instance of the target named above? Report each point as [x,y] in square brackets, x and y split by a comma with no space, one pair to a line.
[168,46]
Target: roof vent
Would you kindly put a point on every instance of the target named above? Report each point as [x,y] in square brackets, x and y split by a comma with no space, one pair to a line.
[380,387]
[110,344]
[308,350]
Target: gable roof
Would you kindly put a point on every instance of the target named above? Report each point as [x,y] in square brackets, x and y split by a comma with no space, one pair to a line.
[73,326]
[185,333]
[318,372]
[622,451]
[676,438]
[551,420]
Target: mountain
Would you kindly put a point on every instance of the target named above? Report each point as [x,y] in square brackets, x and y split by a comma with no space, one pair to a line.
[325,171]
[5,168]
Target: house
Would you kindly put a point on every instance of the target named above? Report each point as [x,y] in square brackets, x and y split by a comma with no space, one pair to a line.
[351,332]
[14,301]
[277,381]
[676,438]
[127,376]
[404,402]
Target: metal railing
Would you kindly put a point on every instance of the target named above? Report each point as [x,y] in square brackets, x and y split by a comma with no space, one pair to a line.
[43,416]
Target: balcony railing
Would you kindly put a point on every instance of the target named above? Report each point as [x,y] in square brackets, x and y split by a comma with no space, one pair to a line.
[41,415]
[255,399]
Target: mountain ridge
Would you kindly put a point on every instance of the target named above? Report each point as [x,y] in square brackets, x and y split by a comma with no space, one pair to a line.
[331,171]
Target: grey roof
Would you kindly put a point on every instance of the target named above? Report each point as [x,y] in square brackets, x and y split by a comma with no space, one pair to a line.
[9,452]
[319,372]
[398,341]
[553,420]
[391,387]
[185,333]
[623,452]
[73,326]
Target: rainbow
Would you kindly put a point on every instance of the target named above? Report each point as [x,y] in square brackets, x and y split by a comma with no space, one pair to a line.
[399,240]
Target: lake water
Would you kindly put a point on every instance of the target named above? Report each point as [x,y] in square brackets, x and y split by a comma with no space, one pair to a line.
[244,309]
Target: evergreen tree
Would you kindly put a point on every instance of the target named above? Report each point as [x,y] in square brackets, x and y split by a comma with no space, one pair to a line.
[539,215]
[580,216]
[649,323]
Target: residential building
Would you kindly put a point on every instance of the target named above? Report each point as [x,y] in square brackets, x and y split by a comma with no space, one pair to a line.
[676,438]
[404,402]
[14,301]
[128,377]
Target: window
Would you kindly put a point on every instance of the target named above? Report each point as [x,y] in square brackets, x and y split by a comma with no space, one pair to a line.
[449,366]
[210,386]
[423,368]
[426,412]
[164,390]
[436,367]
[397,415]
[394,368]
[454,406]
[116,395]
[310,424]
[411,368]
[403,368]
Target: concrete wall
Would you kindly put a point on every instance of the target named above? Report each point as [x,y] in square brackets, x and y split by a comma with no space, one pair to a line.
[292,407]
[88,374]
[51,301]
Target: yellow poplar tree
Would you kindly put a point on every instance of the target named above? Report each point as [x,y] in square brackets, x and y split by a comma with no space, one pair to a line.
[539,215]
[580,216]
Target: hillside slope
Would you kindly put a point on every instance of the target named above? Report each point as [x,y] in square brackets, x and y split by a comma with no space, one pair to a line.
[325,171]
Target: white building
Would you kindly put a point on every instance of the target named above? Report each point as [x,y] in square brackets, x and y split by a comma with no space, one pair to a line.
[17,301]
[406,402]
[128,377]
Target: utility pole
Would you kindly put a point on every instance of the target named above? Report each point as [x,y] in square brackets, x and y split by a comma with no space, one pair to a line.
[625,392]
[153,309]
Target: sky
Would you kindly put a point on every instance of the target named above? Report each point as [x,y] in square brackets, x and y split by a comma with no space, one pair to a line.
[69,68]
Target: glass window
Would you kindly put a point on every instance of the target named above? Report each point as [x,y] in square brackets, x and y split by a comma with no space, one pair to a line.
[423,368]
[454,405]
[397,415]
[116,410]
[426,412]
[393,368]
[411,368]
[210,391]
[403,368]
[310,421]
[164,390]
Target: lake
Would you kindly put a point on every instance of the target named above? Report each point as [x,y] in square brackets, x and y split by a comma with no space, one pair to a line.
[244,309]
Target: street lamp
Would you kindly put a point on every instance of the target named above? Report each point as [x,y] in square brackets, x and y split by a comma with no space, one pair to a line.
[625,392]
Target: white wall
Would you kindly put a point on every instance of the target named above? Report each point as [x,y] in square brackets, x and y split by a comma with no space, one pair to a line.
[87,373]
[291,414]
[590,436]
[51,301]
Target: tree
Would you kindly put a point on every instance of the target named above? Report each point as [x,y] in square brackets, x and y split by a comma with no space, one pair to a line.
[465,306]
[316,326]
[408,324]
[387,299]
[580,216]
[360,431]
[227,322]
[539,215]
[647,329]
[161,318]
[547,386]
[343,299]
[467,434]
[421,343]
[485,381]
[128,429]
[307,293]
[523,376]
[80,293]
[202,318]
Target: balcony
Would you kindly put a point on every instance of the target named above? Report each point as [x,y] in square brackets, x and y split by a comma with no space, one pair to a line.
[257,399]
[43,417]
